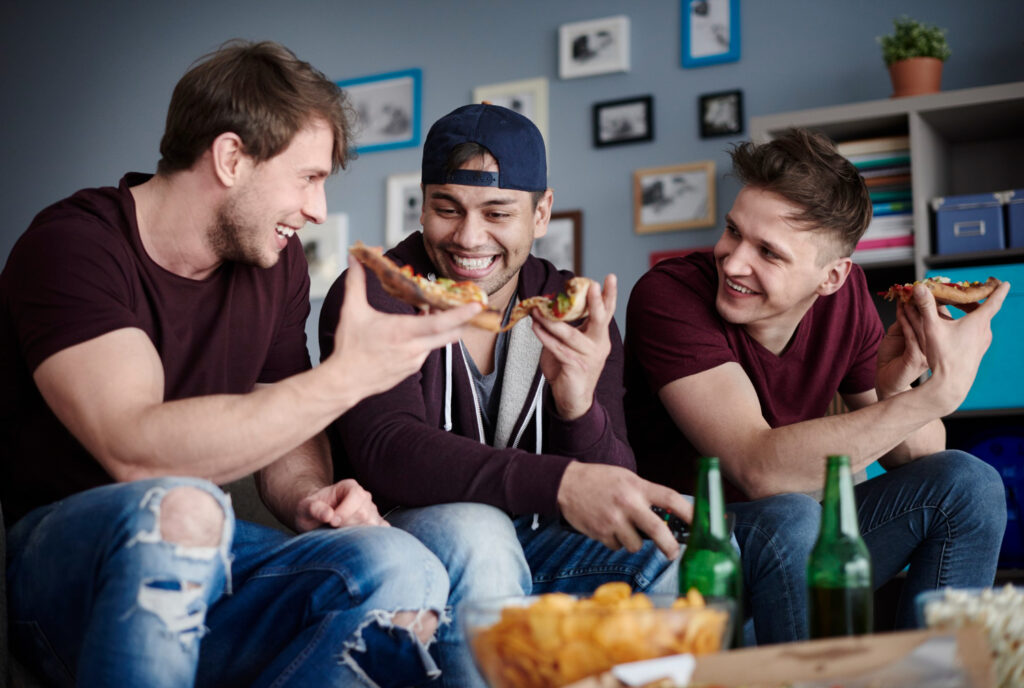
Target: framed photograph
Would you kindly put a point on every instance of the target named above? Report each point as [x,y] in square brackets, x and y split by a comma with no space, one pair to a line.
[563,244]
[630,120]
[675,197]
[710,32]
[598,46]
[404,203]
[721,114]
[325,247]
[528,97]
[388,109]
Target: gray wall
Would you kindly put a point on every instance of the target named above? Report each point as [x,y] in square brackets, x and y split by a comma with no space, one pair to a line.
[86,85]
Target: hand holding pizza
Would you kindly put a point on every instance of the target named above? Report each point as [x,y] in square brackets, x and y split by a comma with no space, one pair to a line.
[900,357]
[953,348]
[573,358]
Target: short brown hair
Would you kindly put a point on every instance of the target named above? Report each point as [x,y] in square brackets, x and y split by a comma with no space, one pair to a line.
[804,168]
[260,91]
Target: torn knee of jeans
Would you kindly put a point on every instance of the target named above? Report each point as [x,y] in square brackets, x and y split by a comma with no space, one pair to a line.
[180,606]
[394,643]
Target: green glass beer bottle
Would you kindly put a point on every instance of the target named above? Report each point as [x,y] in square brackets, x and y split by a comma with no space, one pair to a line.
[710,563]
[840,600]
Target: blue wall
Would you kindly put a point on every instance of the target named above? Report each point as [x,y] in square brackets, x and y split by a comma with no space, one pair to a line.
[86,88]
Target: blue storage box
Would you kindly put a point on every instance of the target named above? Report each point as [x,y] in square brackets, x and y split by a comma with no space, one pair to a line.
[1000,379]
[1004,450]
[1015,218]
[968,223]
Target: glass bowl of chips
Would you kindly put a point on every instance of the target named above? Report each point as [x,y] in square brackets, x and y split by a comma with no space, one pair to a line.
[556,639]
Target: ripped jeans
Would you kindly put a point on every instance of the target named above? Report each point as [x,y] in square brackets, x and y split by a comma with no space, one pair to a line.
[98,598]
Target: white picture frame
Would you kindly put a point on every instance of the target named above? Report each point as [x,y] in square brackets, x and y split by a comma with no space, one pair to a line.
[528,97]
[325,246]
[404,200]
[597,46]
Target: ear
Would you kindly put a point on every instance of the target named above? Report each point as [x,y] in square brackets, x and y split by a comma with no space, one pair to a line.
[542,215]
[835,277]
[227,154]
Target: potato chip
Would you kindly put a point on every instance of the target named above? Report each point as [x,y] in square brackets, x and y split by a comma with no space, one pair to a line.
[560,639]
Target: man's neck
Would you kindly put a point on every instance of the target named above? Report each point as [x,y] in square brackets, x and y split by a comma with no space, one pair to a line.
[776,333]
[174,213]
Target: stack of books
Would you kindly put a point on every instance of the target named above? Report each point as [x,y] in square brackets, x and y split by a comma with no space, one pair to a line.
[885,165]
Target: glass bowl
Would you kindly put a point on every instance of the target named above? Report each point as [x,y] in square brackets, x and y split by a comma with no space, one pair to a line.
[556,639]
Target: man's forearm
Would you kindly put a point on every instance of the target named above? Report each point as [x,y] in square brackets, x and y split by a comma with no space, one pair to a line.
[286,482]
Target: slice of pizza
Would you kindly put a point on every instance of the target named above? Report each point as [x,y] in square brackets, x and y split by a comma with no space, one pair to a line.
[963,295]
[416,290]
[565,306]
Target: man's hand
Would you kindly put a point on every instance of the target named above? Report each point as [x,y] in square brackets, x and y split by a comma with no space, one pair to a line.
[953,348]
[344,503]
[610,503]
[900,358]
[375,351]
[573,359]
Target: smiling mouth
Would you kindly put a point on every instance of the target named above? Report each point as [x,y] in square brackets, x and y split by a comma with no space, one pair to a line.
[739,287]
[472,263]
[285,231]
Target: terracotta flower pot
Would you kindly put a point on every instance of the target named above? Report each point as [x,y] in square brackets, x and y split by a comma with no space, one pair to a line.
[915,76]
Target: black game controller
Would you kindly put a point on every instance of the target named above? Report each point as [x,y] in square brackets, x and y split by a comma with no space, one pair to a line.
[680,528]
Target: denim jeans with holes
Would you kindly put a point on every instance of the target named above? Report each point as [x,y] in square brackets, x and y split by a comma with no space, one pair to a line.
[98,598]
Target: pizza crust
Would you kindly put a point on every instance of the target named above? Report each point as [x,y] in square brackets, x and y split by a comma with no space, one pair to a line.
[420,292]
[946,293]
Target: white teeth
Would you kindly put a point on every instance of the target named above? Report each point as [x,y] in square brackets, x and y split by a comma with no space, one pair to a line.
[741,289]
[472,263]
[285,231]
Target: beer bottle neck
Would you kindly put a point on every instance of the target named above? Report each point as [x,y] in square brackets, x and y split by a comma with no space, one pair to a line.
[839,508]
[709,504]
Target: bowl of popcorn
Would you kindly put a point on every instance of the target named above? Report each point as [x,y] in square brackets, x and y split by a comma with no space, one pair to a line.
[543,641]
[999,611]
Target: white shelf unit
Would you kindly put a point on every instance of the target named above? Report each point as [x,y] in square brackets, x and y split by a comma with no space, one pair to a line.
[961,142]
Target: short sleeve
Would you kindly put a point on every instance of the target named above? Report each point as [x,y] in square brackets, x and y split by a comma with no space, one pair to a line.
[65,284]
[672,327]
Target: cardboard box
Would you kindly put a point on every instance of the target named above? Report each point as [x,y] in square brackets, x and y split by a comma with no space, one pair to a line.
[969,223]
[885,660]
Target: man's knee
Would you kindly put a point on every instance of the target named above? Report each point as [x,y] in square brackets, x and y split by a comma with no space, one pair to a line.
[191,517]
[422,623]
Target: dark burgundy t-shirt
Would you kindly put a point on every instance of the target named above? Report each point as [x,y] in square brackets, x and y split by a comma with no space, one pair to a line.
[80,271]
[674,330]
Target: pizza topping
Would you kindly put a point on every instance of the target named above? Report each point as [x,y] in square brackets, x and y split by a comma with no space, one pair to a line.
[964,294]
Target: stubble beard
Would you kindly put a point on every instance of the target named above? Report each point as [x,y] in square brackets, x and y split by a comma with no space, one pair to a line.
[233,239]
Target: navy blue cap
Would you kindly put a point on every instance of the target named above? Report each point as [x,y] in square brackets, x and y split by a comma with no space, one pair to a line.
[513,140]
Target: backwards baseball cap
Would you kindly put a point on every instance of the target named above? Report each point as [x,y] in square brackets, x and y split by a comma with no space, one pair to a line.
[513,140]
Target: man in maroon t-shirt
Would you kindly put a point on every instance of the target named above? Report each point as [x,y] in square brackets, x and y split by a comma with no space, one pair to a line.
[737,353]
[153,346]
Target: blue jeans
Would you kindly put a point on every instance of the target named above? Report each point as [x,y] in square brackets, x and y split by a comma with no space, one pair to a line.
[489,554]
[98,598]
[943,515]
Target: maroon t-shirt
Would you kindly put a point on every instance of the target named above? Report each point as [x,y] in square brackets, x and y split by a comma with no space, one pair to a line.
[80,271]
[674,330]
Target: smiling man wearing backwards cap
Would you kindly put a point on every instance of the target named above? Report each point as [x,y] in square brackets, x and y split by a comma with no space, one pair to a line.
[506,453]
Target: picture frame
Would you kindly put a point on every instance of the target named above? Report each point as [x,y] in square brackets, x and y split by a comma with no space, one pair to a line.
[674,197]
[325,246]
[404,205]
[628,120]
[388,109]
[597,46]
[528,97]
[710,32]
[721,114]
[563,242]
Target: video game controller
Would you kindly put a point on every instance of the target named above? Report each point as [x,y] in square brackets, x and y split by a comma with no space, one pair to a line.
[680,529]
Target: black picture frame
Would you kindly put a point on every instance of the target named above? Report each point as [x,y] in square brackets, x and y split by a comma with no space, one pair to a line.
[720,114]
[628,120]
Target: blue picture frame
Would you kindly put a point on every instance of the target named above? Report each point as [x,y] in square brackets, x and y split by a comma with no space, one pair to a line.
[389,109]
[710,32]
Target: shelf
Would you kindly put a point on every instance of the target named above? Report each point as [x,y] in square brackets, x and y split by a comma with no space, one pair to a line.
[1000,257]
[984,413]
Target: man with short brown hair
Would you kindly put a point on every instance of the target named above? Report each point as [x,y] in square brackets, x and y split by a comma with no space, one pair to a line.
[153,341]
[738,352]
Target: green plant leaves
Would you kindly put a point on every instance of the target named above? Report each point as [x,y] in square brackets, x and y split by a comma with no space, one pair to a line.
[911,38]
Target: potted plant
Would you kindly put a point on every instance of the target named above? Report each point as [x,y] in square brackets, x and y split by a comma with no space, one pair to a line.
[914,53]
